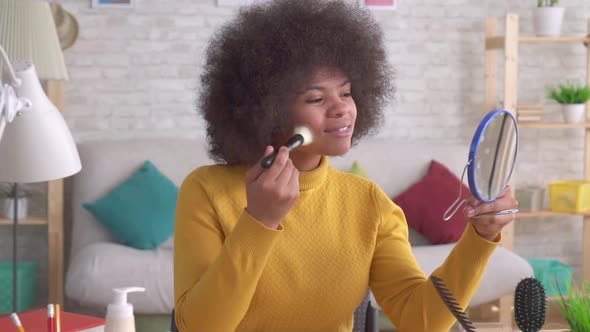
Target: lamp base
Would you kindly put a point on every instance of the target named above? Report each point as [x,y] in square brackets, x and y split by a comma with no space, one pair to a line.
[14,249]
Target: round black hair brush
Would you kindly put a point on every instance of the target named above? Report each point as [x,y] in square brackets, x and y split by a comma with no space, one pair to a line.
[530,305]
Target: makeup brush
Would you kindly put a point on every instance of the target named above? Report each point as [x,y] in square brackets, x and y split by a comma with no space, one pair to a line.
[530,305]
[302,136]
[452,304]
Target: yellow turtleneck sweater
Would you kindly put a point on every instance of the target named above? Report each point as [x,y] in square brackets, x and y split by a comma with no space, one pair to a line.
[343,234]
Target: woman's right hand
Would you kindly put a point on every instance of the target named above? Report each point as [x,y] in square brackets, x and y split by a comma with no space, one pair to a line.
[272,192]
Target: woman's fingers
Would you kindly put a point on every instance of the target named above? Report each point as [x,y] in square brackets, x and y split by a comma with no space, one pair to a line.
[255,171]
[270,193]
[277,166]
[505,201]
[490,225]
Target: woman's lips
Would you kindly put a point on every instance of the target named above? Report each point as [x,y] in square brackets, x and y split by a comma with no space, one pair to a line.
[343,131]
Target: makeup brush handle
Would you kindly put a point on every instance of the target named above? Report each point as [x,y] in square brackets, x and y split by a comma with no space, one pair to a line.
[294,142]
[267,161]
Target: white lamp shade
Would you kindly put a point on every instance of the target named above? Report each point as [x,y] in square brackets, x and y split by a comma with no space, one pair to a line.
[37,145]
[28,32]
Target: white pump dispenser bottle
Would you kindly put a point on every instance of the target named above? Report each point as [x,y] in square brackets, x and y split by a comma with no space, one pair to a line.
[120,313]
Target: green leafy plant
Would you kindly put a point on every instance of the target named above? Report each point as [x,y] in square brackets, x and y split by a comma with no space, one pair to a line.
[576,307]
[547,3]
[570,93]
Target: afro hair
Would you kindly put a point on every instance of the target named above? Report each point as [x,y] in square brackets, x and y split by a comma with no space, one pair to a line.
[256,61]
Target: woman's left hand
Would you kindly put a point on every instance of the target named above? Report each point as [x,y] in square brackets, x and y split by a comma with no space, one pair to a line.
[490,226]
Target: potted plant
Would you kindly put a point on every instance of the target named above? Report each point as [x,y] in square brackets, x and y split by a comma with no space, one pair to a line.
[576,308]
[548,18]
[573,98]
[7,201]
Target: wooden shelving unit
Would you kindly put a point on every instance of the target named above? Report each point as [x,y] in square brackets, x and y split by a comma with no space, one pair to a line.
[55,214]
[26,221]
[508,46]
[499,42]
[550,125]
[549,213]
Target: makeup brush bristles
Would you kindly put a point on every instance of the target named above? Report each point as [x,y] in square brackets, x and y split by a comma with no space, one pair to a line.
[452,304]
[305,133]
[530,305]
[301,136]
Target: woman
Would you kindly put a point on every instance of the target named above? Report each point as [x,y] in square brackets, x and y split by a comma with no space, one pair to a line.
[294,247]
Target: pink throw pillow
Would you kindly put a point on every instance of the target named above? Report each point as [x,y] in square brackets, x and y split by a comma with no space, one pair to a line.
[425,202]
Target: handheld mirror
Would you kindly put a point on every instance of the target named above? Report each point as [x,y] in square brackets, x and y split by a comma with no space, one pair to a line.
[491,160]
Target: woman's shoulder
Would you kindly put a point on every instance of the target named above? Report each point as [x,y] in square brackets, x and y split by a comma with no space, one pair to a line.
[349,179]
[216,173]
[357,183]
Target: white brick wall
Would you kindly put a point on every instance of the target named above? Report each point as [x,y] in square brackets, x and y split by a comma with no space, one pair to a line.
[134,73]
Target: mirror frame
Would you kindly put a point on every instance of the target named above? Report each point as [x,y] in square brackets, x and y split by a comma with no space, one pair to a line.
[475,145]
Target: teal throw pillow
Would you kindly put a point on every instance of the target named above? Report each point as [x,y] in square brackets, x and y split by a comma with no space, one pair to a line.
[139,211]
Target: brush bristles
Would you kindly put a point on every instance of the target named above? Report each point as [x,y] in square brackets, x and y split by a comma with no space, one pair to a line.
[305,133]
[452,304]
[530,305]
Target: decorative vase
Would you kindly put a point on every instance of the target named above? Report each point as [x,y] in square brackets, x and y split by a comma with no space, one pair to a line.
[7,205]
[548,21]
[574,113]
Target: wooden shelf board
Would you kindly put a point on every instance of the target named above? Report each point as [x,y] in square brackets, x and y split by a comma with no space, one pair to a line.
[498,42]
[26,221]
[561,39]
[548,213]
[556,298]
[553,125]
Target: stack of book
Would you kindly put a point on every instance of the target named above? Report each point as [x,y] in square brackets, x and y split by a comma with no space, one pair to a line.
[529,112]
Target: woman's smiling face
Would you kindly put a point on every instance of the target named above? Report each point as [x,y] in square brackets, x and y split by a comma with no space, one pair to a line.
[325,105]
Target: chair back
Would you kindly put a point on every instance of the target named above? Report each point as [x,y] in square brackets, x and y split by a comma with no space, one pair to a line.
[366,316]
[173,327]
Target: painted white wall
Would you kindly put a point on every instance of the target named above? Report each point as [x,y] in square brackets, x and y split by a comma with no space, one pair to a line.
[133,73]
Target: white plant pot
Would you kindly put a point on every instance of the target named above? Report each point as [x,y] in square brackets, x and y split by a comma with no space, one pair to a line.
[548,21]
[7,205]
[574,113]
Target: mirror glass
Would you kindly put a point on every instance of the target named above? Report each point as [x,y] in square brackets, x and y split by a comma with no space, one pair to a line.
[492,155]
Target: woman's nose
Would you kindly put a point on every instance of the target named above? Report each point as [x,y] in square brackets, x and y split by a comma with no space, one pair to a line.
[337,108]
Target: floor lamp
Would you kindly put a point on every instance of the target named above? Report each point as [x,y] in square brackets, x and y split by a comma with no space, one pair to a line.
[35,142]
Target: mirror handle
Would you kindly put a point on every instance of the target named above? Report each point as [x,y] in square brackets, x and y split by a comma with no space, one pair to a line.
[458,202]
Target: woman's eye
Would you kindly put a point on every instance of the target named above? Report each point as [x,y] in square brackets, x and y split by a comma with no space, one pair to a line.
[314,101]
[347,94]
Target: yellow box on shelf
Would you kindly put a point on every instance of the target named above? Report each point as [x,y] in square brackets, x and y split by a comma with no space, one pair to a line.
[570,196]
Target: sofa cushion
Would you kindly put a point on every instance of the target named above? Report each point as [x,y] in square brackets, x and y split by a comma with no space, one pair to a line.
[107,163]
[153,269]
[503,271]
[140,210]
[426,201]
[98,268]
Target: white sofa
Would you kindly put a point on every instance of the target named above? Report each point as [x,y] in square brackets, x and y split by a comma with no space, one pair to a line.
[98,263]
